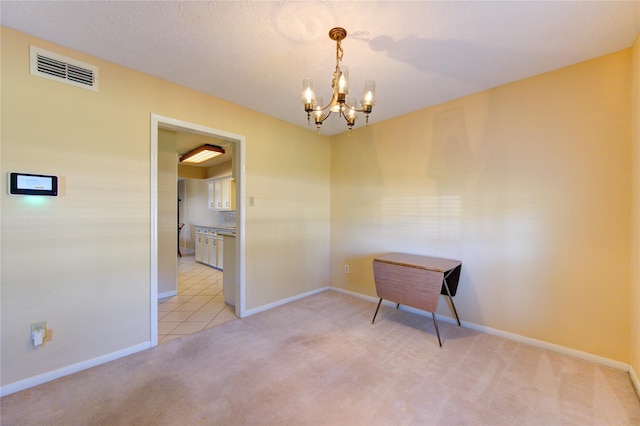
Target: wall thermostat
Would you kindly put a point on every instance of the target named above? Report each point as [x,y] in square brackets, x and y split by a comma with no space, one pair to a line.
[29,184]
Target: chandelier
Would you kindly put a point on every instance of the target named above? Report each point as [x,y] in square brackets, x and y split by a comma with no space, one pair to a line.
[340,91]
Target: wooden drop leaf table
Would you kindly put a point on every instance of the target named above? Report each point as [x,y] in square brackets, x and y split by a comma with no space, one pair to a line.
[416,281]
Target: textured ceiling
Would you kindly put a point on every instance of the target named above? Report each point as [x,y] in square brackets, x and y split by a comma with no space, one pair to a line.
[256,53]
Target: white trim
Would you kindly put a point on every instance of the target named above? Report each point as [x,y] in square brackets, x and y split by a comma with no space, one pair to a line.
[241,302]
[239,163]
[365,297]
[586,356]
[285,301]
[70,369]
[634,380]
[167,294]
[510,336]
[153,206]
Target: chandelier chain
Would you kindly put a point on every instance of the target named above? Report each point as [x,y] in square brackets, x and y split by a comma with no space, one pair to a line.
[337,72]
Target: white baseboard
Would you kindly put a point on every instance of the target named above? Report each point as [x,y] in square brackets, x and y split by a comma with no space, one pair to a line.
[369,298]
[549,346]
[168,294]
[263,308]
[510,336]
[70,369]
[634,381]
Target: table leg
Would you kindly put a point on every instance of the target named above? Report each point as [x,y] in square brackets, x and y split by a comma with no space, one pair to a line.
[453,306]
[435,322]
[374,315]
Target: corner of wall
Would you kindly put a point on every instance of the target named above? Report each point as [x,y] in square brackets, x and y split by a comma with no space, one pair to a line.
[634,338]
[634,381]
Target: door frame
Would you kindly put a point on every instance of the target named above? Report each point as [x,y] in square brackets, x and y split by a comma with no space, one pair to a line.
[157,122]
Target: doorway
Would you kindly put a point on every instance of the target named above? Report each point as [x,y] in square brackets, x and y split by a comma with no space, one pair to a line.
[160,122]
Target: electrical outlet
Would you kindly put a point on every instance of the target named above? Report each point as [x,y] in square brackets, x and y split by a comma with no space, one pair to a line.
[39,326]
[346,269]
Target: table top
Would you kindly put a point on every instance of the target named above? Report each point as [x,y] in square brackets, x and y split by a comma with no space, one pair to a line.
[437,264]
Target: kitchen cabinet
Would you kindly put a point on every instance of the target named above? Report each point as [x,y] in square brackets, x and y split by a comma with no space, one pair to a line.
[214,196]
[201,249]
[219,251]
[222,194]
[229,279]
[212,254]
[204,249]
[209,246]
[212,202]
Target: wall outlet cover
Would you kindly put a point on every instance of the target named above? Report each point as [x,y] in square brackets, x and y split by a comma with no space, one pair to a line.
[39,326]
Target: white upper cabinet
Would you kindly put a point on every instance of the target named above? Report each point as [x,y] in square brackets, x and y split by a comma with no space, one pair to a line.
[222,194]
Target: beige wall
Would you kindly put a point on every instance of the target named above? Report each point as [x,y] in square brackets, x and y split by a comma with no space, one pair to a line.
[220,170]
[81,261]
[167,213]
[288,203]
[635,253]
[528,184]
[190,172]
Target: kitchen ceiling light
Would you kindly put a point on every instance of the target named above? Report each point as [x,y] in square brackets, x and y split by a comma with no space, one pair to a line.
[202,154]
[340,86]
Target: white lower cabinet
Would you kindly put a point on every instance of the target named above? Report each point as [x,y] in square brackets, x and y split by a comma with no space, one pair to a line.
[211,255]
[219,251]
[209,247]
[201,249]
[229,284]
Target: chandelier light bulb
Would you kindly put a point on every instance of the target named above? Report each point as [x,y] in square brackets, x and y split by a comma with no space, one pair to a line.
[351,116]
[343,81]
[369,96]
[308,95]
[318,111]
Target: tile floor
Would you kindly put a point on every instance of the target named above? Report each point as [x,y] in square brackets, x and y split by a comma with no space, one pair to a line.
[198,305]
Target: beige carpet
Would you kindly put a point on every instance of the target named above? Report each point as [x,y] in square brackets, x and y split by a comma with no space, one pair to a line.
[319,361]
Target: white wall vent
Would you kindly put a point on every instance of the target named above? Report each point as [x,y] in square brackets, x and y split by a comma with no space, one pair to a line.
[60,68]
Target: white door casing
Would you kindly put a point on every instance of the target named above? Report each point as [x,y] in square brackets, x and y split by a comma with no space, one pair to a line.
[158,121]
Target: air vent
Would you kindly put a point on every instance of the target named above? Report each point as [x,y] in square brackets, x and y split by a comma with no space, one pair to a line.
[60,68]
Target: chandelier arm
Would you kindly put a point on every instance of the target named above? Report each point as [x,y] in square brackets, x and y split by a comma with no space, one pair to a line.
[332,102]
[328,105]
[321,120]
[350,121]
[347,106]
[324,118]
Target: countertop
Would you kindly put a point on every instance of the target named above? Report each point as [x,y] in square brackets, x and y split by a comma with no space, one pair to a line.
[225,227]
[220,229]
